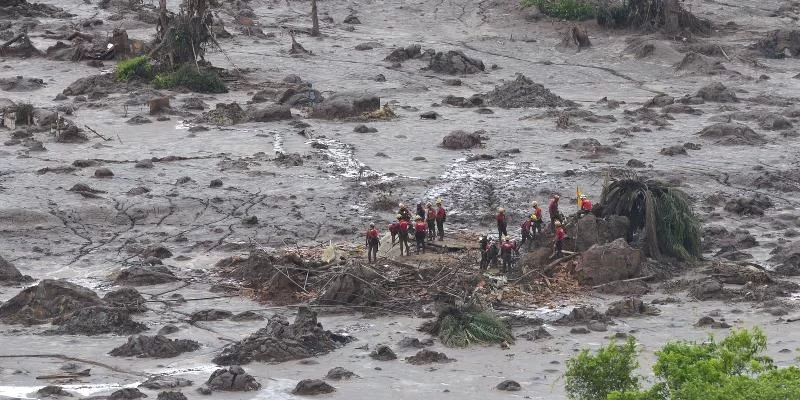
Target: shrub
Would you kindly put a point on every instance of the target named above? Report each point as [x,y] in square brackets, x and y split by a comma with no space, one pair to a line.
[189,77]
[135,67]
[24,113]
[593,377]
[572,10]
[461,327]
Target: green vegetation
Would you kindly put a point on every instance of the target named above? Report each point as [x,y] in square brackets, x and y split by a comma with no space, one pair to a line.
[733,369]
[189,77]
[461,327]
[135,67]
[662,212]
[572,10]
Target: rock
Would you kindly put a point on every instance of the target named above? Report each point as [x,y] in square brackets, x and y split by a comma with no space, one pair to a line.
[414,343]
[193,103]
[707,321]
[426,356]
[383,353]
[232,379]
[786,259]
[673,151]
[429,115]
[161,382]
[461,140]
[158,105]
[774,122]
[367,46]
[126,298]
[168,395]
[343,106]
[630,307]
[53,391]
[84,163]
[154,346]
[452,82]
[143,276]
[455,62]
[590,230]
[168,329]
[224,115]
[103,173]
[579,331]
[251,220]
[215,183]
[402,54]
[9,274]
[607,263]
[597,326]
[582,315]
[147,164]
[89,84]
[660,100]
[209,315]
[749,206]
[339,373]
[139,120]
[732,133]
[536,334]
[280,341]
[97,320]
[312,387]
[509,386]
[270,114]
[634,163]
[717,92]
[706,289]
[47,300]
[364,129]
[379,78]
[352,20]
[523,92]
[127,394]
[157,251]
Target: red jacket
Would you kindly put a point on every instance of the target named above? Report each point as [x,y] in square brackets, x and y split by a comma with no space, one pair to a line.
[501,218]
[560,234]
[440,213]
[538,212]
[430,214]
[507,246]
[403,226]
[586,205]
[420,227]
[394,227]
[372,233]
[526,225]
[553,207]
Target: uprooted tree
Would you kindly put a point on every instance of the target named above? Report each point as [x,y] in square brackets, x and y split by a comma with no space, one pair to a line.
[181,38]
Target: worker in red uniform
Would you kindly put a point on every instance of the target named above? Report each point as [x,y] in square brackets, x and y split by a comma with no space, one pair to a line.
[430,216]
[441,216]
[527,236]
[555,215]
[372,243]
[586,206]
[394,229]
[420,229]
[537,222]
[505,253]
[502,222]
[404,212]
[559,239]
[402,234]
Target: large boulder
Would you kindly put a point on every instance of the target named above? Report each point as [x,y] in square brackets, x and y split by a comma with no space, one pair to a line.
[312,387]
[9,274]
[232,379]
[143,276]
[589,230]
[717,92]
[461,140]
[47,300]
[98,320]
[90,84]
[455,62]
[732,133]
[270,113]
[609,262]
[126,298]
[786,259]
[281,341]
[154,346]
[343,106]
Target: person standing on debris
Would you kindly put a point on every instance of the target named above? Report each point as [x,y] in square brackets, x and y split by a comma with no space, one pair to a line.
[502,222]
[421,209]
[586,206]
[506,248]
[430,215]
[483,246]
[441,215]
[559,239]
[419,233]
[555,215]
[537,222]
[372,243]
[404,212]
[394,229]
[527,225]
[402,233]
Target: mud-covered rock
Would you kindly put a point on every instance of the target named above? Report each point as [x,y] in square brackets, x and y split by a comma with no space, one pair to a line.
[281,341]
[786,259]
[404,53]
[232,379]
[312,387]
[161,382]
[168,329]
[707,289]
[154,346]
[127,394]
[210,315]
[732,133]
[103,173]
[224,115]
[126,298]
[749,206]
[9,274]
[426,356]
[458,101]
[536,334]
[98,320]
[247,316]
[631,307]
[509,386]
[383,353]
[455,62]
[774,122]
[145,275]
[364,129]
[47,300]
[339,373]
[698,64]
[707,321]
[590,230]
[53,391]
[717,92]
[351,288]
[344,106]
[673,150]
[157,251]
[660,100]
[780,43]
[523,92]
[609,262]
[461,140]
[95,83]
[414,343]
[171,395]
[582,315]
[270,114]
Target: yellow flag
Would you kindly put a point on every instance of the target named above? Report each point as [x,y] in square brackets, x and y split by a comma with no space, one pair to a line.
[578,196]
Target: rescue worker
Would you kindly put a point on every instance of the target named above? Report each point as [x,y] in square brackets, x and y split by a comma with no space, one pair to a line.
[527,236]
[505,253]
[502,222]
[559,239]
[394,229]
[402,233]
[586,206]
[537,222]
[403,211]
[555,215]
[430,215]
[483,246]
[372,243]
[421,209]
[441,216]
[419,233]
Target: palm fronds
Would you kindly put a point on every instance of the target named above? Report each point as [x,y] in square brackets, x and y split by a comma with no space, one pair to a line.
[461,327]
[663,213]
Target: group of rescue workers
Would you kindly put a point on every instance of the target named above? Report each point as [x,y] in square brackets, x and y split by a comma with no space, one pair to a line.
[429,221]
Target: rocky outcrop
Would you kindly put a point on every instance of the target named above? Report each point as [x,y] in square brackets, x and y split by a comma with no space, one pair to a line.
[154,346]
[455,62]
[344,106]
[98,320]
[47,300]
[609,262]
[232,379]
[461,140]
[145,275]
[312,387]
[126,298]
[589,230]
[631,307]
[426,356]
[9,274]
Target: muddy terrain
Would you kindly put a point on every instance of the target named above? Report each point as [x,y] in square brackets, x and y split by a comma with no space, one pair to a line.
[156,240]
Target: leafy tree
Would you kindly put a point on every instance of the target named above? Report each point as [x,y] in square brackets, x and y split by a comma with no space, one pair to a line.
[593,377]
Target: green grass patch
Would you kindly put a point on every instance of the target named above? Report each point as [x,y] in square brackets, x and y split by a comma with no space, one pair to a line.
[189,77]
[571,10]
[135,67]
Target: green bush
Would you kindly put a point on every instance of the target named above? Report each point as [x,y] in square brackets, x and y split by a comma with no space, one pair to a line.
[189,77]
[135,67]
[593,377]
[461,327]
[572,10]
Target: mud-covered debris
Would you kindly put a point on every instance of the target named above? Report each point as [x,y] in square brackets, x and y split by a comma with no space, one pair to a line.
[161,382]
[97,320]
[158,251]
[224,115]
[168,329]
[429,115]
[604,263]
[281,341]
[732,133]
[589,145]
[698,64]
[582,315]
[171,395]
[536,334]
[414,343]
[676,150]
[707,289]
[383,353]
[339,373]
[786,258]
[139,120]
[269,113]
[232,379]
[458,101]
[509,386]
[717,92]
[426,356]
[774,122]
[660,100]
[739,274]
[127,394]
[126,298]
[634,163]
[404,53]
[455,62]
[461,140]
[623,288]
[193,103]
[749,206]
[590,230]
[312,387]
[9,274]
[53,391]
[351,288]
[210,315]
[351,19]
[20,84]
[523,92]
[247,316]
[681,109]
[780,43]
[707,321]
[154,346]
[47,300]
[344,106]
[145,275]
[631,307]
[364,129]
